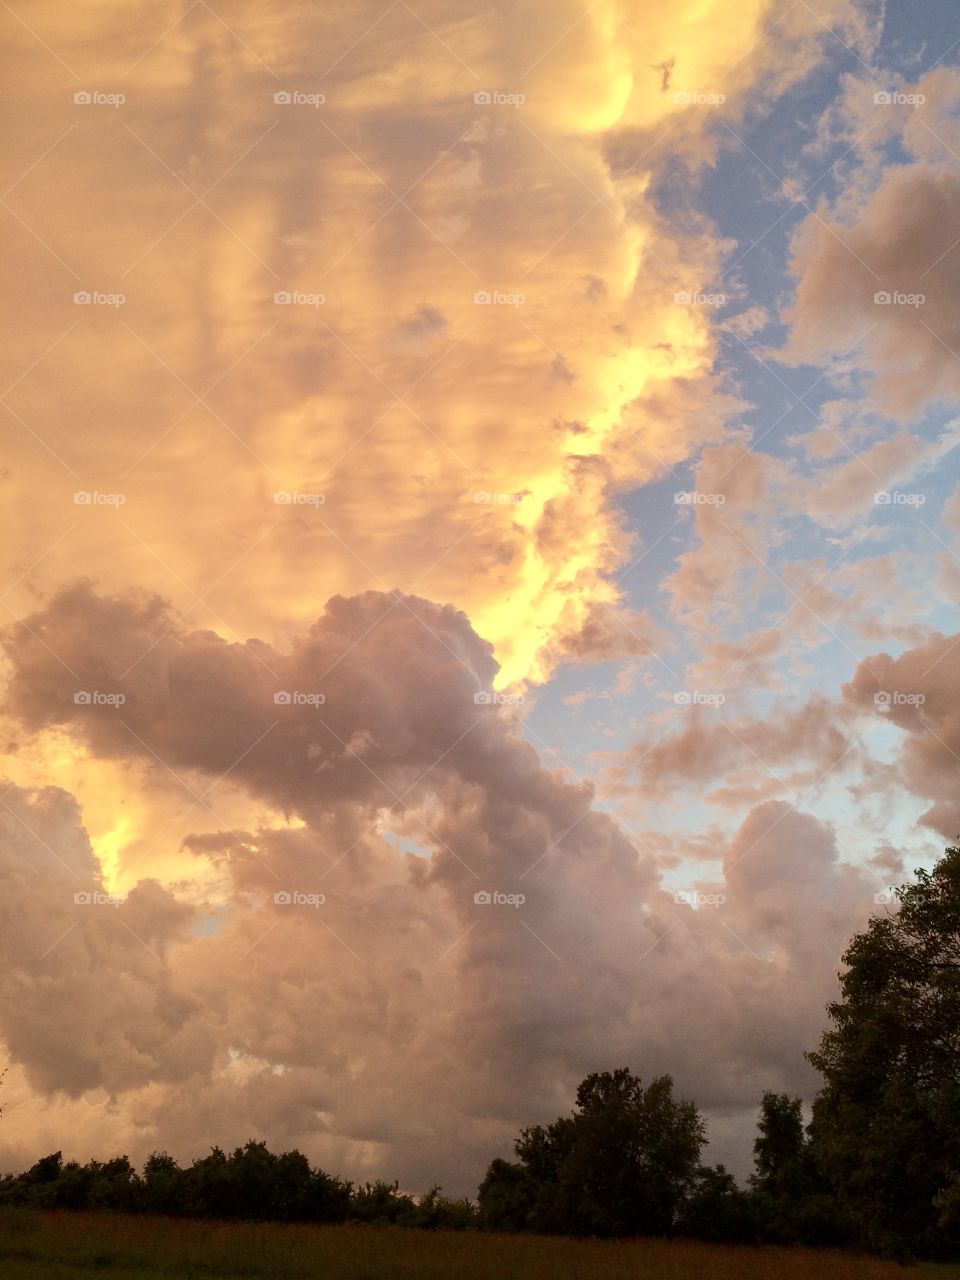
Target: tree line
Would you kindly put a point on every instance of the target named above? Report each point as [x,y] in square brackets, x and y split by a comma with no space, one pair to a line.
[876,1167]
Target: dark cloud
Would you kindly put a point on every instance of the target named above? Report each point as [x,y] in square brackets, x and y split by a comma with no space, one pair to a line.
[360,999]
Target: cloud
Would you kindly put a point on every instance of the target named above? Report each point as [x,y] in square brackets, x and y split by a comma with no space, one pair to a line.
[610,633]
[917,692]
[381,213]
[737,492]
[850,489]
[708,747]
[365,997]
[88,998]
[412,343]
[887,285]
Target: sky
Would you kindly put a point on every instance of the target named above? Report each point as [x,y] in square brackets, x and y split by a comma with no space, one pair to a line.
[480,567]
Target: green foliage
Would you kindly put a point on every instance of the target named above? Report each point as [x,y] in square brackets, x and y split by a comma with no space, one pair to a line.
[886,1126]
[622,1164]
[252,1184]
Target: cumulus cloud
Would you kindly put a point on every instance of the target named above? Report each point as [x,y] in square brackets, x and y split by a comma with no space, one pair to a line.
[413,343]
[917,692]
[88,997]
[382,213]
[371,999]
[887,284]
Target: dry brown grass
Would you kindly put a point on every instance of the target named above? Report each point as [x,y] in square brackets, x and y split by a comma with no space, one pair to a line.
[67,1246]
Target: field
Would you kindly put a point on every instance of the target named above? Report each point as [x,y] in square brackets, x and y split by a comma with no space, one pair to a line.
[67,1246]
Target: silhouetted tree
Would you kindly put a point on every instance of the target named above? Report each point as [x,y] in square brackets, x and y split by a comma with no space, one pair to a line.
[792,1202]
[622,1164]
[381,1203]
[506,1197]
[716,1209]
[886,1126]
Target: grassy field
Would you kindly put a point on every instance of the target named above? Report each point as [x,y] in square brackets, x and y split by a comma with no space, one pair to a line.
[68,1246]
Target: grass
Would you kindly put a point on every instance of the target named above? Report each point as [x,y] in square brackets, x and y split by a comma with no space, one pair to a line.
[81,1246]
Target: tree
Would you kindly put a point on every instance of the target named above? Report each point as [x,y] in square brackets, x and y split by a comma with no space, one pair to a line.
[779,1148]
[886,1125]
[437,1212]
[381,1203]
[505,1197]
[622,1164]
[718,1210]
[792,1202]
[162,1186]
